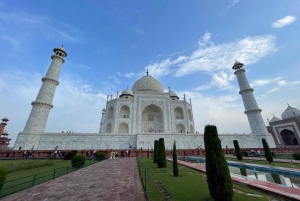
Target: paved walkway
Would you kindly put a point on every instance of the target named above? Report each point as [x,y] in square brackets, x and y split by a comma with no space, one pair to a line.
[109,180]
[287,192]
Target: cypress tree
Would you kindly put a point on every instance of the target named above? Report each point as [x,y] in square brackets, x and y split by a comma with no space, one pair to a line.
[238,151]
[175,164]
[148,153]
[162,160]
[155,156]
[268,153]
[218,176]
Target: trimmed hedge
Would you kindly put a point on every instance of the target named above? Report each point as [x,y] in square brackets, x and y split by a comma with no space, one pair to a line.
[267,150]
[175,164]
[100,156]
[218,176]
[244,153]
[296,156]
[156,150]
[78,161]
[162,160]
[11,167]
[69,156]
[3,175]
[237,150]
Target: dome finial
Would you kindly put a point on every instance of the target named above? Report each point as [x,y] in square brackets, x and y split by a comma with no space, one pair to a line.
[288,104]
[147,71]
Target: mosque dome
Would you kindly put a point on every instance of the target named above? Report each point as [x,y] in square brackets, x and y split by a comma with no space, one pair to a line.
[127,92]
[147,83]
[5,132]
[274,119]
[172,93]
[289,113]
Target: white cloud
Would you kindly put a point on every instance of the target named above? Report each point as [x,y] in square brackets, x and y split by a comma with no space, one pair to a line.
[77,105]
[83,66]
[129,75]
[283,82]
[35,25]
[139,31]
[234,2]
[158,69]
[265,81]
[284,21]
[220,80]
[273,90]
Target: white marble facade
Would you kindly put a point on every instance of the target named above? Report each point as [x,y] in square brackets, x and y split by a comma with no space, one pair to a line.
[135,118]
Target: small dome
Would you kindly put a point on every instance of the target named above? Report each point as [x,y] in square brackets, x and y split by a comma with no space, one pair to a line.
[61,49]
[127,92]
[5,132]
[274,119]
[147,83]
[289,113]
[237,65]
[173,94]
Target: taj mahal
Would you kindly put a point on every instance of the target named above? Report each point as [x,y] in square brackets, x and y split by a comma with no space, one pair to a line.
[137,117]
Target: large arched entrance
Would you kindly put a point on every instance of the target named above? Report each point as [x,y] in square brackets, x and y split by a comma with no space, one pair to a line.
[288,137]
[152,119]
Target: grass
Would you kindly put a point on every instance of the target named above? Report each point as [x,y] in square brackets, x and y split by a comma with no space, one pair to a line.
[190,185]
[265,162]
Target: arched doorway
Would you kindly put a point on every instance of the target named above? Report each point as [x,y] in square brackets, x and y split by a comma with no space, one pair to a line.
[123,128]
[124,111]
[152,119]
[288,137]
[180,128]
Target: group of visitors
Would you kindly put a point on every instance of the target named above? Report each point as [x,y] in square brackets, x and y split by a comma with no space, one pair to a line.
[114,154]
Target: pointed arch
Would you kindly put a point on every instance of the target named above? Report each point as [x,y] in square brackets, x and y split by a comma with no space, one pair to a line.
[180,128]
[123,128]
[110,113]
[191,129]
[108,128]
[124,112]
[288,137]
[190,115]
[152,119]
[178,112]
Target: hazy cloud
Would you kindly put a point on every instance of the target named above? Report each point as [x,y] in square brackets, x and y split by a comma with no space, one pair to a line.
[265,81]
[139,31]
[284,21]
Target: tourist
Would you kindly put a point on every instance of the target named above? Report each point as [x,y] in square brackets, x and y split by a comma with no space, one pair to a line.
[111,154]
[24,154]
[117,154]
[258,153]
[20,148]
[127,153]
[95,153]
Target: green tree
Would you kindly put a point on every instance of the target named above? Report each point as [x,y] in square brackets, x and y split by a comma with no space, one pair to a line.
[238,151]
[175,164]
[162,160]
[148,153]
[218,176]
[268,153]
[156,149]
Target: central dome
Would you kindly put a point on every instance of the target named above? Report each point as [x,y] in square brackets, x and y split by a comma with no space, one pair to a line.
[147,83]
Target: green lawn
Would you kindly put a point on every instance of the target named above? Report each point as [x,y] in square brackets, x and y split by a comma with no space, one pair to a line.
[190,185]
[265,162]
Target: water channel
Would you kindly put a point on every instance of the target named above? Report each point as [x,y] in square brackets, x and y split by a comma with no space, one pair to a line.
[279,176]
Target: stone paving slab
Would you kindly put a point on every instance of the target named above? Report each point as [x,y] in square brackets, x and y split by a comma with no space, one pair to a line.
[109,180]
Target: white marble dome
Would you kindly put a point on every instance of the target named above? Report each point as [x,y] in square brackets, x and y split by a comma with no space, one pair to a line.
[274,119]
[127,92]
[147,83]
[289,113]
[173,94]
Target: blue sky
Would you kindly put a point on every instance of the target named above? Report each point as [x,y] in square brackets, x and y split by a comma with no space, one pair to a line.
[187,45]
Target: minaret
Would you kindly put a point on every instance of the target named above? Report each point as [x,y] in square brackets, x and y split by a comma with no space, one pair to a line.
[38,117]
[253,112]
[102,121]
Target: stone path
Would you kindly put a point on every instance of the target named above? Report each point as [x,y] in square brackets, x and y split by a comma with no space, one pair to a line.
[109,180]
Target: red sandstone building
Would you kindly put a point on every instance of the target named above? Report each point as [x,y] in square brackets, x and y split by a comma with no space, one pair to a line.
[286,131]
[4,140]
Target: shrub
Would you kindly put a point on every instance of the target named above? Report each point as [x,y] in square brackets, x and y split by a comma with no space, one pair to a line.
[161,160]
[78,161]
[69,156]
[100,156]
[218,176]
[244,153]
[296,156]
[156,147]
[74,151]
[3,175]
[268,154]
[237,150]
[175,164]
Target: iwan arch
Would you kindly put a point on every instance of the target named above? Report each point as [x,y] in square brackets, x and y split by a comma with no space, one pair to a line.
[136,118]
